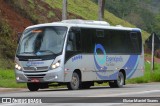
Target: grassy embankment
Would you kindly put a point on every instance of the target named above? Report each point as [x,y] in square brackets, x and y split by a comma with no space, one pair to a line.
[7,77]
[149,76]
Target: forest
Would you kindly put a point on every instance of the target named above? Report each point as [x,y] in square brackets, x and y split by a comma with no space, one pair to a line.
[144,14]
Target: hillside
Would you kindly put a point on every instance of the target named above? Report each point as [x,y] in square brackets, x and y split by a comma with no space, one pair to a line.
[15,15]
[88,10]
[50,11]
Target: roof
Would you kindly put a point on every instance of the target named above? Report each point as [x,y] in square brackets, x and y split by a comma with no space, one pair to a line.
[86,24]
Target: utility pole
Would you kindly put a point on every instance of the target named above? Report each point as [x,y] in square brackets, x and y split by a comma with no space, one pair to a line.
[101,4]
[64,10]
[152,65]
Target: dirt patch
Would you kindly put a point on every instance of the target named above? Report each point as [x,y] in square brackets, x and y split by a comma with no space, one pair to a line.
[15,21]
[47,9]
[148,59]
[4,90]
[157,55]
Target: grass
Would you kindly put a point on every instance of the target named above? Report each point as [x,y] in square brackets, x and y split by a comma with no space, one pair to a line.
[149,76]
[7,79]
[50,14]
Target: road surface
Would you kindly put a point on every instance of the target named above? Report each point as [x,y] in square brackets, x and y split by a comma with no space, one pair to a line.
[131,90]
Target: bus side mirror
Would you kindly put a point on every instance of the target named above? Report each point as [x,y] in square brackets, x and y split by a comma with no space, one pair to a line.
[19,36]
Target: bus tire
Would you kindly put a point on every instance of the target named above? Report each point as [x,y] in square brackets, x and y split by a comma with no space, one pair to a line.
[119,82]
[33,86]
[75,82]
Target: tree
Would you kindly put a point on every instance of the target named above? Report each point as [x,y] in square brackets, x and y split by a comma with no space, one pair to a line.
[101,4]
[64,10]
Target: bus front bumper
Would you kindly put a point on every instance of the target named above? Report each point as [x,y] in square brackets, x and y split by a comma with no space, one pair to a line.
[55,75]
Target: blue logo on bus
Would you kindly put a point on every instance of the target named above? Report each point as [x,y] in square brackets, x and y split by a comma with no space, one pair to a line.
[34,63]
[77,57]
[100,61]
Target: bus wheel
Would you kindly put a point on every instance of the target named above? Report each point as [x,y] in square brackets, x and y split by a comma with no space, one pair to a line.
[75,82]
[119,82]
[33,86]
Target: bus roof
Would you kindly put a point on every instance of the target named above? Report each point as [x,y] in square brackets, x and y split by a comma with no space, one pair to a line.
[85,24]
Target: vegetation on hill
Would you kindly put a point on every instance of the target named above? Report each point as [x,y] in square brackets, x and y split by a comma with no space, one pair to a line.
[50,11]
[38,11]
[88,10]
[7,49]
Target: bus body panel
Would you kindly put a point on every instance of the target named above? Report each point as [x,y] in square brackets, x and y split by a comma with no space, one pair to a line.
[91,70]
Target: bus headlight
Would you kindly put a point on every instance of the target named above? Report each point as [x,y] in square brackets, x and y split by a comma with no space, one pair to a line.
[55,65]
[18,67]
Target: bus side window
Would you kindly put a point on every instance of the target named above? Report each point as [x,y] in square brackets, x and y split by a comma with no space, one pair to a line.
[135,42]
[70,41]
[88,39]
[73,43]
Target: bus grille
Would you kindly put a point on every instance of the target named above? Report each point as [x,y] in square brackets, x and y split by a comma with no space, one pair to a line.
[38,69]
[36,76]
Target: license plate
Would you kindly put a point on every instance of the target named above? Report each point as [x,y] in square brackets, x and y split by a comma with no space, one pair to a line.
[35,80]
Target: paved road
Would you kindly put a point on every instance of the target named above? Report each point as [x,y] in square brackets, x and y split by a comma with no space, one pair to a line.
[130,90]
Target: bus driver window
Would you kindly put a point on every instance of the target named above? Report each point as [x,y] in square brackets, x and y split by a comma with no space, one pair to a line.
[71,42]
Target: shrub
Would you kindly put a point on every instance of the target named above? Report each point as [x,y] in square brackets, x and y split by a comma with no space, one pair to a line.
[7,45]
[157,53]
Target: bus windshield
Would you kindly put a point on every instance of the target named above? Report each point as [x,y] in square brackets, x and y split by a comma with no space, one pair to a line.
[42,41]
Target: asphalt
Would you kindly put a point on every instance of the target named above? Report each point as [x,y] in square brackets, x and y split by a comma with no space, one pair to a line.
[96,95]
